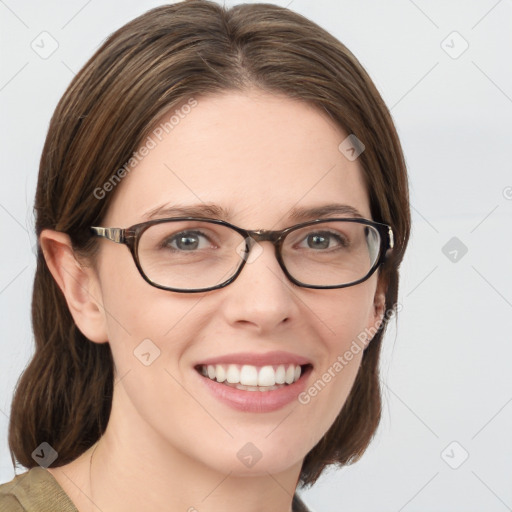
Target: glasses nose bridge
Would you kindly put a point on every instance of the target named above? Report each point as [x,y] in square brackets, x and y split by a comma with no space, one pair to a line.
[254,237]
[266,235]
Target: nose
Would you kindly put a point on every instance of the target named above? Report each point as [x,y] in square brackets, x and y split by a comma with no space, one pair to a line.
[261,297]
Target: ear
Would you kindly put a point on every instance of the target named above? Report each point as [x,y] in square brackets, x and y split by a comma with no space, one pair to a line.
[377,311]
[379,301]
[78,282]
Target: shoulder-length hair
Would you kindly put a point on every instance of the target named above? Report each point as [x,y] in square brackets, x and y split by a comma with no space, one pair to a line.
[152,64]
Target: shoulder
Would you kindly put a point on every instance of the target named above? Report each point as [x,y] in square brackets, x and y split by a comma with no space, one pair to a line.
[8,494]
[9,503]
[36,490]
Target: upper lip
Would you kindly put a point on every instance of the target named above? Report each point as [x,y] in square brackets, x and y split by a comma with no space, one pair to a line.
[255,359]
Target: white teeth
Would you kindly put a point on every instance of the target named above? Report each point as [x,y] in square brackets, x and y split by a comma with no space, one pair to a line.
[253,378]
[233,374]
[249,375]
[290,374]
[266,376]
[280,374]
[220,373]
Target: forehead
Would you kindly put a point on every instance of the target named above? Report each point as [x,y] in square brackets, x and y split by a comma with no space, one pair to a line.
[260,157]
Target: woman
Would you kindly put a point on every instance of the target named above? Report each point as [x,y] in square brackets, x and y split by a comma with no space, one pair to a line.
[198,367]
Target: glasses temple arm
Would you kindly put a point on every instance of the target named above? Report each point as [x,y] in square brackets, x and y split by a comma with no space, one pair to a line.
[114,234]
[391,238]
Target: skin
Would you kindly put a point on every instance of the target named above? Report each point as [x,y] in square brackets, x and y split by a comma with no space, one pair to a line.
[169,444]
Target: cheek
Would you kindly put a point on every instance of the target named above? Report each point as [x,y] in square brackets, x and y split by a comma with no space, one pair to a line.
[329,389]
[149,332]
[344,315]
[344,321]
[145,324]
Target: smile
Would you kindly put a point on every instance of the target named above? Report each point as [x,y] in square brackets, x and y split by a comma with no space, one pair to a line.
[252,378]
[257,383]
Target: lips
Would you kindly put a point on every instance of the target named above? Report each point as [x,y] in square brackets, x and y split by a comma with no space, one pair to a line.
[269,358]
[234,379]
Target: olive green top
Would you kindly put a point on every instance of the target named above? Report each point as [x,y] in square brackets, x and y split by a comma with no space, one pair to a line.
[37,490]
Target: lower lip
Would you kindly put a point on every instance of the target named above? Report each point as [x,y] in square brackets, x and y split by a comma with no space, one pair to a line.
[256,401]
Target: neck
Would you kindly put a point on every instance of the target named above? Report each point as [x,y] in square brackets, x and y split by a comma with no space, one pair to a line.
[134,469]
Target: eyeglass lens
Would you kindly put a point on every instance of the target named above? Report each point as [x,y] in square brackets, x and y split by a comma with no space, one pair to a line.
[190,254]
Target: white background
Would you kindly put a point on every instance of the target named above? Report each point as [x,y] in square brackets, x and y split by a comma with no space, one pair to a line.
[447,365]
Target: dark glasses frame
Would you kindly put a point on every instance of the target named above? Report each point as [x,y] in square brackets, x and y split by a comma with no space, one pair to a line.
[131,236]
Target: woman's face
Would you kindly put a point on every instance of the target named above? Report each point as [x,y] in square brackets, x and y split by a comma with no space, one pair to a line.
[259,157]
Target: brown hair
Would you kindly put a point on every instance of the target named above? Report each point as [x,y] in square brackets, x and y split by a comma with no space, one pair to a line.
[154,63]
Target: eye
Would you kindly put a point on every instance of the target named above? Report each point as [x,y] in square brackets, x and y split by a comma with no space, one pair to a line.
[186,241]
[324,240]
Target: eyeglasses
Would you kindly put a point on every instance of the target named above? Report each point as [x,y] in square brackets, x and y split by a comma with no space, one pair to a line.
[189,254]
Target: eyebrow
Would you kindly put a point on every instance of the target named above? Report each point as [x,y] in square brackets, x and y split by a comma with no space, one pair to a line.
[296,214]
[300,214]
[193,210]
